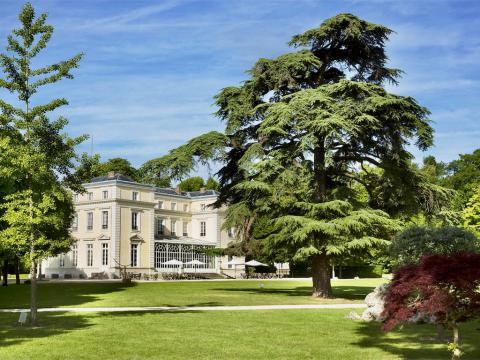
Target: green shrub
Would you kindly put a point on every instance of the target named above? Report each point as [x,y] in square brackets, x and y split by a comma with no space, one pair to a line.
[411,244]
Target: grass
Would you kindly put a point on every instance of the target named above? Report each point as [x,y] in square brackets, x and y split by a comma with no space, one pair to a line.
[202,293]
[274,334]
[22,276]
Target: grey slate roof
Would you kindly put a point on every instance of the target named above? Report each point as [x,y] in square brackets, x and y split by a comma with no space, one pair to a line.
[114,177]
[166,191]
[190,194]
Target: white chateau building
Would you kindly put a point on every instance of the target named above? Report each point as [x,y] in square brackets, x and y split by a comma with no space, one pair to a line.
[119,222]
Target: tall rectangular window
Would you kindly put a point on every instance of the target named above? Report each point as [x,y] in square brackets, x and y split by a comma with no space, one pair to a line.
[135,195]
[173,206]
[231,232]
[173,227]
[185,228]
[75,222]
[75,255]
[61,261]
[203,207]
[105,194]
[135,222]
[75,197]
[104,219]
[160,226]
[185,207]
[160,204]
[203,228]
[133,254]
[90,196]
[104,254]
[89,254]
[90,221]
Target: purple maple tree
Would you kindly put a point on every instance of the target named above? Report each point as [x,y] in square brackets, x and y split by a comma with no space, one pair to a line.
[442,288]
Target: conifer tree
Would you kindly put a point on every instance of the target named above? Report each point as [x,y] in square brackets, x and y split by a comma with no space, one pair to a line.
[299,131]
[39,212]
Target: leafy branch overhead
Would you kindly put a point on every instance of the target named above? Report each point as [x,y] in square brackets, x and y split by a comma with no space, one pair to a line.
[179,162]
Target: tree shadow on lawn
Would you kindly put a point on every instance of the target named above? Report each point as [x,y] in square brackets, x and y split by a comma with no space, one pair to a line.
[57,323]
[413,341]
[50,324]
[341,292]
[58,294]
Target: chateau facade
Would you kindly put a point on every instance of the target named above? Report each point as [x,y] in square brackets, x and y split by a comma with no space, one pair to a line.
[120,223]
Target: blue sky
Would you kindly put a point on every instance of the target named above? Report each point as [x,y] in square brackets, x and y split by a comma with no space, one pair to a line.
[151,68]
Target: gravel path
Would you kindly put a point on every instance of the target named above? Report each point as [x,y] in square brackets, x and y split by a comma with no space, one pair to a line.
[190,308]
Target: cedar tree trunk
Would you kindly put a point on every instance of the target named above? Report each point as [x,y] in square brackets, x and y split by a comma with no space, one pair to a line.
[321,276]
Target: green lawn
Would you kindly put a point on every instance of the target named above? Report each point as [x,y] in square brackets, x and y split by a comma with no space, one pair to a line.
[22,276]
[203,293]
[274,334]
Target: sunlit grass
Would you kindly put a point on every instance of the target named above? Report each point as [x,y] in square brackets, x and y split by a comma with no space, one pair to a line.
[197,293]
[273,334]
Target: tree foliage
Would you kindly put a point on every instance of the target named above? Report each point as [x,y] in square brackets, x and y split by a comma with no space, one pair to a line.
[411,244]
[43,160]
[181,161]
[471,213]
[91,166]
[463,175]
[441,288]
[192,184]
[300,133]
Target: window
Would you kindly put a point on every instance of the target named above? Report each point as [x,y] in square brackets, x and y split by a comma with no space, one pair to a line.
[230,258]
[185,207]
[89,254]
[133,254]
[105,194]
[173,227]
[90,196]
[74,255]
[61,261]
[135,220]
[173,206]
[90,221]
[75,222]
[75,197]
[203,228]
[104,254]
[104,219]
[160,226]
[231,232]
[135,195]
[185,228]
[160,204]
[203,207]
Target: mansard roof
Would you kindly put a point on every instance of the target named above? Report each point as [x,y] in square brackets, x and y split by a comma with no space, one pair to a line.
[112,177]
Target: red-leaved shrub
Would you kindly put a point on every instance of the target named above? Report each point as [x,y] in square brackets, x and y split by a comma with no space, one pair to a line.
[442,288]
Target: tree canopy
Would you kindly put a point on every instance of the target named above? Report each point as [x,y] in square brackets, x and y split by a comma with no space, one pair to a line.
[37,212]
[302,135]
[411,244]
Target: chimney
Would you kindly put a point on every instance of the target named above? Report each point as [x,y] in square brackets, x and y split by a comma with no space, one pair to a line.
[202,190]
[178,190]
[111,174]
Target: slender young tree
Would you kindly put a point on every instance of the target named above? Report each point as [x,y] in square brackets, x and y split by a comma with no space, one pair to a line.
[39,213]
